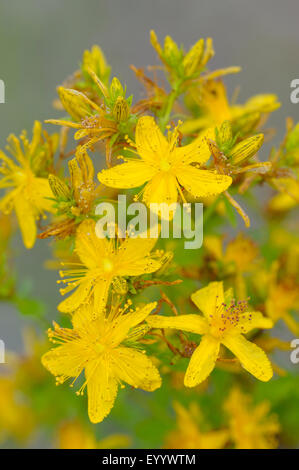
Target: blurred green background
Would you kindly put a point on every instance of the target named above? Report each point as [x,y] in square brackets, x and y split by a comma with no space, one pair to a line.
[42,41]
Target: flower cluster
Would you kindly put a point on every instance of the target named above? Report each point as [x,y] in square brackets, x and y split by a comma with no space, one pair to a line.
[182,142]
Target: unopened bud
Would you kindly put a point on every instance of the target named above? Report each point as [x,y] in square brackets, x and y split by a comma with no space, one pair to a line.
[121,109]
[59,188]
[246,149]
[193,57]
[172,53]
[225,134]
[116,89]
[74,102]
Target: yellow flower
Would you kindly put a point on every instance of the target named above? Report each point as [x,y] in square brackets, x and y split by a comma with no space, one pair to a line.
[287,198]
[251,426]
[73,435]
[165,167]
[188,435]
[224,322]
[100,261]
[101,348]
[215,108]
[238,258]
[283,297]
[16,418]
[28,191]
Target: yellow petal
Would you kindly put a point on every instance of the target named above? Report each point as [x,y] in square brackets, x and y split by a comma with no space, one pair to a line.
[8,161]
[202,361]
[202,183]
[252,358]
[150,142]
[135,248]
[89,245]
[83,316]
[133,257]
[124,323]
[209,299]
[139,267]
[101,390]
[26,219]
[221,72]
[63,361]
[214,439]
[7,201]
[198,151]
[215,101]
[162,188]
[100,292]
[36,137]
[61,122]
[40,192]
[264,103]
[74,301]
[194,125]
[135,368]
[139,315]
[191,323]
[15,148]
[229,295]
[250,320]
[127,175]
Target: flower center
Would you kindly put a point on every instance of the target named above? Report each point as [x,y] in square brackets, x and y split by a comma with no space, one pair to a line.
[164,165]
[21,177]
[107,265]
[99,348]
[226,317]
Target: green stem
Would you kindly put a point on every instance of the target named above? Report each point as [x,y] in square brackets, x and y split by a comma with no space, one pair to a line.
[170,102]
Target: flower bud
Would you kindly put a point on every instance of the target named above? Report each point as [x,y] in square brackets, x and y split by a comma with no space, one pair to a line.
[120,110]
[75,103]
[116,89]
[155,44]
[58,187]
[246,149]
[193,57]
[172,53]
[95,60]
[76,177]
[225,134]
